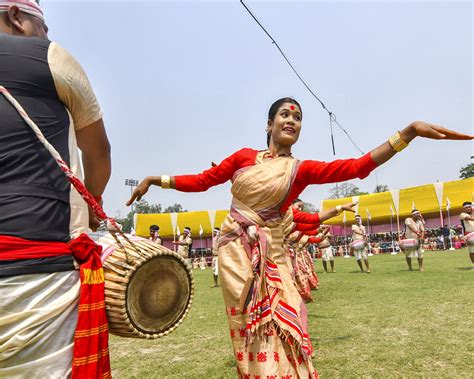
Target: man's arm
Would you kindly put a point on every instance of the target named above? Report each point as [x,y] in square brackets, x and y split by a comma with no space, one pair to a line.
[95,147]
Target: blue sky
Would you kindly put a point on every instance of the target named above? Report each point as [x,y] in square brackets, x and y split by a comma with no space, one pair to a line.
[182,84]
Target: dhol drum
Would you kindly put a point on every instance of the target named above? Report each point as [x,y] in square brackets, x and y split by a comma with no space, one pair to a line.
[148,288]
[409,244]
[357,245]
[469,238]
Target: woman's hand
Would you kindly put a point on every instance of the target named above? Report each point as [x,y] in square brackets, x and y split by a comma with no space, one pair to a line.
[140,191]
[350,207]
[426,130]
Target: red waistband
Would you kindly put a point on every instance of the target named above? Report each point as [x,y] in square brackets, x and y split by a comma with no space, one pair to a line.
[13,248]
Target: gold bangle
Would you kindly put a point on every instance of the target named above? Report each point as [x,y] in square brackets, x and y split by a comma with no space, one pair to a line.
[397,143]
[165,181]
[338,209]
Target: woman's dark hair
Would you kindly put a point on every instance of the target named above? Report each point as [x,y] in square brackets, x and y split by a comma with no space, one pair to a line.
[297,200]
[274,109]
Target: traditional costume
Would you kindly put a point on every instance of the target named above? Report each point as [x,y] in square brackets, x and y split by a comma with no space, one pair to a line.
[263,307]
[410,234]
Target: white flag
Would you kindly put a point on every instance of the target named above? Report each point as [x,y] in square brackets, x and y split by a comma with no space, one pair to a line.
[178,232]
[344,219]
[413,205]
[448,204]
[368,214]
[393,212]
[200,230]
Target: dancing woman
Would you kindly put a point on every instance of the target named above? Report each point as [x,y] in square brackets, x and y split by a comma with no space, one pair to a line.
[263,307]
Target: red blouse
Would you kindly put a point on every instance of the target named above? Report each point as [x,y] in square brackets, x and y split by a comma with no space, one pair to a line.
[309,172]
[305,227]
[305,218]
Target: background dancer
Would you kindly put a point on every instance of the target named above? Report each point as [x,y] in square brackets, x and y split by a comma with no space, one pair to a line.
[184,243]
[414,230]
[155,234]
[467,222]
[359,249]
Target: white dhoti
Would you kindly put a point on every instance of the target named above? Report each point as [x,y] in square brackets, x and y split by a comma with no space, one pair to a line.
[327,254]
[215,266]
[38,317]
[361,254]
[414,253]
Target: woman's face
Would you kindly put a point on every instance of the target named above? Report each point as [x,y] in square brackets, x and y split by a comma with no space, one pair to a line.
[299,206]
[286,126]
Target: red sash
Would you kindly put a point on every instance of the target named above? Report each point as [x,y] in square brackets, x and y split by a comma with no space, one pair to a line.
[91,339]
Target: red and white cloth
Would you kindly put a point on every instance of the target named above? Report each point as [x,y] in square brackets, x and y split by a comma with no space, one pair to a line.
[31,7]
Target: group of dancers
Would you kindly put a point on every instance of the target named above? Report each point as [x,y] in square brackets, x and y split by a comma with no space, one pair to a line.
[52,310]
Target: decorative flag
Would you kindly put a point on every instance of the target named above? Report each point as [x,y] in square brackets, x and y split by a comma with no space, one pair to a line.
[368,214]
[439,186]
[174,221]
[393,212]
[212,218]
[396,199]
[413,205]
[344,219]
[201,232]
[178,232]
[448,204]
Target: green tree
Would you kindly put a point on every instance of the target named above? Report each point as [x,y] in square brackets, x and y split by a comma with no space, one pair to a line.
[381,188]
[143,207]
[345,190]
[467,171]
[308,207]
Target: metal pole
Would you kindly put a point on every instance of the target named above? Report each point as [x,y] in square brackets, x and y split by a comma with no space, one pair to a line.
[368,236]
[398,228]
[391,234]
[449,224]
[345,240]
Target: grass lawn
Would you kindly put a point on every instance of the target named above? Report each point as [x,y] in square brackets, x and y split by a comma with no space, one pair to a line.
[389,323]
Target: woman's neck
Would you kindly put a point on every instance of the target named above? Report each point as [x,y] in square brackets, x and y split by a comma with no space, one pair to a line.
[278,150]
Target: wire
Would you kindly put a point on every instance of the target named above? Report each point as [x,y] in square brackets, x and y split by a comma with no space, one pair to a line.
[332,116]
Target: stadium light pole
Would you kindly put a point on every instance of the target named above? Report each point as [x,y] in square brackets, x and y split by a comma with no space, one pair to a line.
[131,183]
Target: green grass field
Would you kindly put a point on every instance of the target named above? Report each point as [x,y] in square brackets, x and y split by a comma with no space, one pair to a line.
[389,323]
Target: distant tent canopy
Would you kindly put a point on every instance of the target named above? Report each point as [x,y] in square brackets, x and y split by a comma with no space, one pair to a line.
[426,198]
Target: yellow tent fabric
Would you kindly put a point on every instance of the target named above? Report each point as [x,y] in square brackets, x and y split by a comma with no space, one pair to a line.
[378,205]
[423,197]
[192,219]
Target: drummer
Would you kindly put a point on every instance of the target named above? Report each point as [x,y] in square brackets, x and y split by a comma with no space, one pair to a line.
[467,222]
[358,234]
[42,307]
[326,251]
[415,229]
[155,235]
[184,243]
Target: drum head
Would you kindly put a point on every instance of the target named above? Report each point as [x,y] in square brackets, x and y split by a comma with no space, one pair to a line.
[158,294]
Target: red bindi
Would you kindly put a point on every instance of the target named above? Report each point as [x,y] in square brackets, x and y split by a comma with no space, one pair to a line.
[292,107]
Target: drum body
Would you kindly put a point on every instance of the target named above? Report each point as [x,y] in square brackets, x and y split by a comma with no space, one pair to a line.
[409,244]
[358,245]
[469,239]
[148,289]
